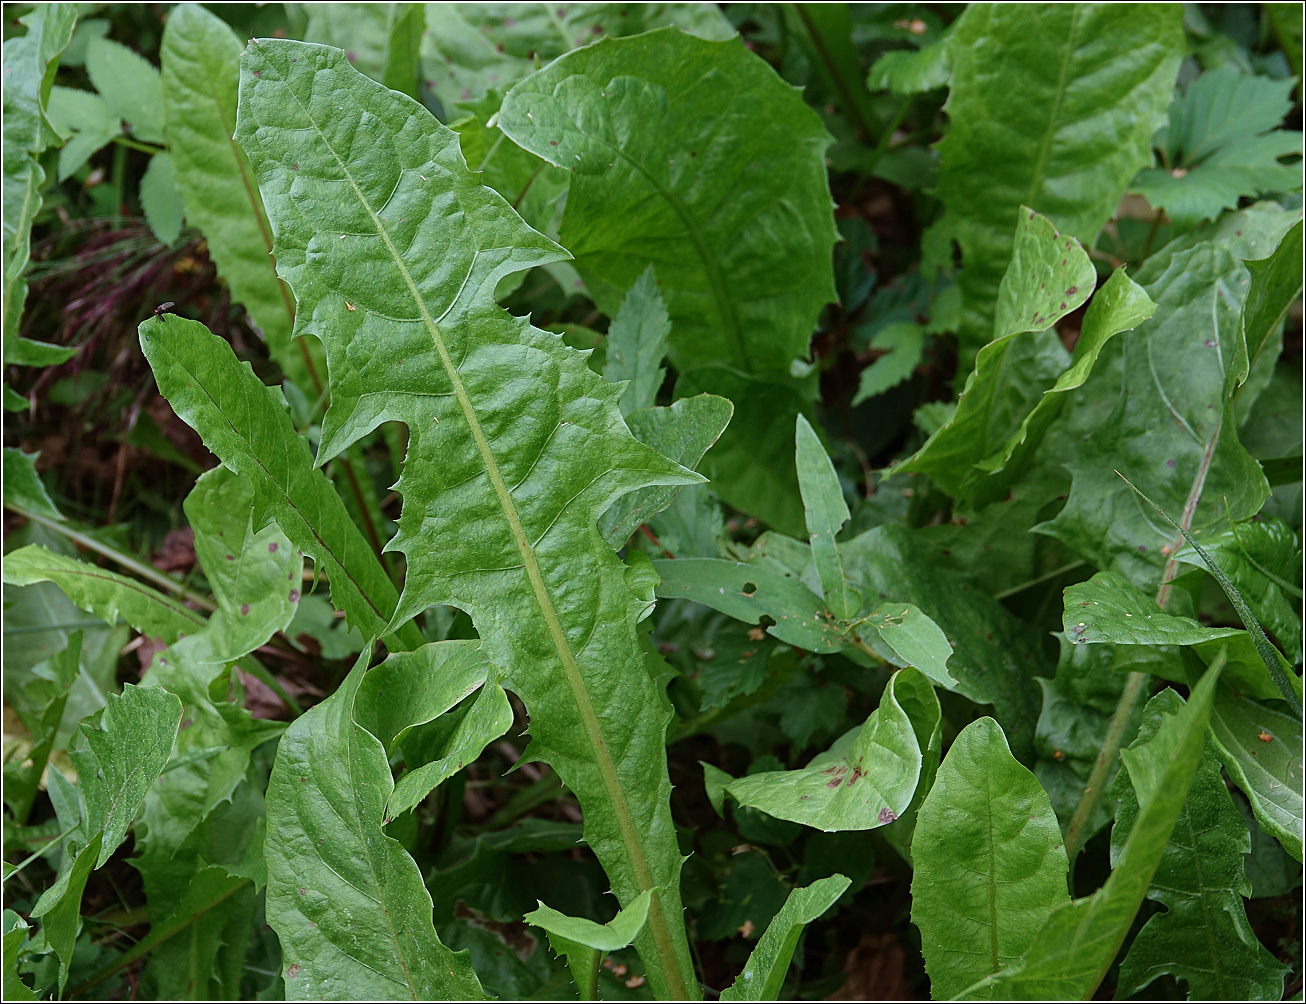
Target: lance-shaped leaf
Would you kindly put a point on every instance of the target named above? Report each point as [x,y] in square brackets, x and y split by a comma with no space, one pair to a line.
[1203,937]
[1049,276]
[864,780]
[1160,412]
[516,447]
[764,972]
[1071,952]
[826,514]
[697,157]
[122,750]
[247,426]
[345,899]
[59,907]
[989,863]
[1110,608]
[1095,82]
[23,487]
[29,64]
[201,75]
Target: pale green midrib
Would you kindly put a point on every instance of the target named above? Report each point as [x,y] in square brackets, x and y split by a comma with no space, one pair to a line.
[994,959]
[606,766]
[122,790]
[1045,146]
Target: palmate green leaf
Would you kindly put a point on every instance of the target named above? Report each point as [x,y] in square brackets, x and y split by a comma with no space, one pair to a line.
[1203,937]
[381,39]
[1071,952]
[826,514]
[346,900]
[1110,608]
[247,426]
[1219,148]
[865,780]
[200,60]
[1157,410]
[23,486]
[694,156]
[989,864]
[29,64]
[1048,277]
[515,447]
[129,85]
[470,50]
[122,751]
[764,972]
[1094,82]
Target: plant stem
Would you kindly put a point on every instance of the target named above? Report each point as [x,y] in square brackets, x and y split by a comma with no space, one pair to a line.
[135,144]
[1046,577]
[848,92]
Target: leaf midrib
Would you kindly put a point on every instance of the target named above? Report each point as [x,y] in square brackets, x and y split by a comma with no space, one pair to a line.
[603,758]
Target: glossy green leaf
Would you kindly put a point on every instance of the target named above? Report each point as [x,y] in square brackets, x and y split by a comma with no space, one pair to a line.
[346,900]
[1094,84]
[1048,277]
[246,424]
[1218,147]
[129,85]
[1158,411]
[120,754]
[23,485]
[29,64]
[826,514]
[1203,937]
[864,780]
[1071,952]
[59,908]
[989,864]
[1110,608]
[515,446]
[381,39]
[683,432]
[694,156]
[764,972]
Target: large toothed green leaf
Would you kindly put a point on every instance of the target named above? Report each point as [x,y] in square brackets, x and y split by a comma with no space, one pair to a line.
[247,426]
[696,157]
[1094,82]
[345,899]
[516,447]
[1049,276]
[989,864]
[29,64]
[201,76]
[1203,937]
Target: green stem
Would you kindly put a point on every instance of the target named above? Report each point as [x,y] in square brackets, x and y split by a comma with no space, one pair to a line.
[1056,573]
[848,92]
[116,179]
[41,852]
[134,144]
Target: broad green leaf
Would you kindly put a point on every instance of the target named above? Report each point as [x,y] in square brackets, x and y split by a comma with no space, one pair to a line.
[201,74]
[1156,409]
[129,85]
[472,49]
[637,341]
[683,432]
[29,64]
[1048,277]
[1260,747]
[346,900]
[15,933]
[105,594]
[989,864]
[1218,147]
[161,200]
[694,156]
[515,446]
[1094,82]
[23,486]
[764,972]
[247,426]
[381,39]
[1110,608]
[121,753]
[826,514]
[1203,937]
[1071,952]
[864,780]
[59,908]
[994,656]
[86,123]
